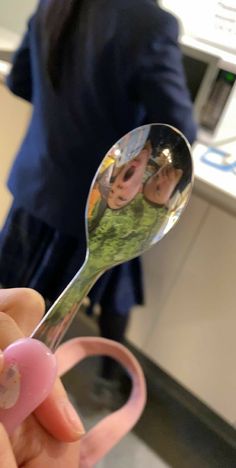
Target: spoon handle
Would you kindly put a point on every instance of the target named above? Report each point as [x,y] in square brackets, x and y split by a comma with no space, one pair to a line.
[55,323]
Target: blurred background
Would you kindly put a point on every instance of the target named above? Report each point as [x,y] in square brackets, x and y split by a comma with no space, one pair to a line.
[185,336]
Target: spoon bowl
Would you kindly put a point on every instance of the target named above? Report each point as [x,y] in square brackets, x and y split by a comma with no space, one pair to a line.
[137,195]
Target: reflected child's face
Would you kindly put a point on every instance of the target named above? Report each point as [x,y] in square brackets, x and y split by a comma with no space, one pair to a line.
[159,187]
[129,181]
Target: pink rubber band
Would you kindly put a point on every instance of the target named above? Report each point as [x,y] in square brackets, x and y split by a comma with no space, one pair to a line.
[108,432]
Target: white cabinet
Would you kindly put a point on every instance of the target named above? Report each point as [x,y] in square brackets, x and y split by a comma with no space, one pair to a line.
[162,264]
[14,117]
[192,307]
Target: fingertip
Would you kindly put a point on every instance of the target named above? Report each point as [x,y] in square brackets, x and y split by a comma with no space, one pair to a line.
[72,420]
[60,419]
[25,305]
[31,299]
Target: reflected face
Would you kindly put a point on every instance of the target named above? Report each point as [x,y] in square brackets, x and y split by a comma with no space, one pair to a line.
[129,181]
[159,187]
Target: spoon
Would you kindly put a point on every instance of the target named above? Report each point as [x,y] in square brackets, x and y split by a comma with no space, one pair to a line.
[137,195]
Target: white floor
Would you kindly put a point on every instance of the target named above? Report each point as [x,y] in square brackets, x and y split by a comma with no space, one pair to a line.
[132,453]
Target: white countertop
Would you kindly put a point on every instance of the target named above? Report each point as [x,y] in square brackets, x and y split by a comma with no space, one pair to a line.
[218,184]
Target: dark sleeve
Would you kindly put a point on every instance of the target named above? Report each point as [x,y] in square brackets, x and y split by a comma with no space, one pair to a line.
[19,81]
[160,80]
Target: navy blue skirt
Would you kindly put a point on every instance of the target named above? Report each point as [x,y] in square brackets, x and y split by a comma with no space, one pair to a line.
[35,255]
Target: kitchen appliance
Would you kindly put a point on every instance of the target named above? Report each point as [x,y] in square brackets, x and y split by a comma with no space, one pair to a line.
[211,78]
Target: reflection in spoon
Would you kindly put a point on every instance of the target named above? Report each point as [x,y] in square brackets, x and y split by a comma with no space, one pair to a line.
[137,195]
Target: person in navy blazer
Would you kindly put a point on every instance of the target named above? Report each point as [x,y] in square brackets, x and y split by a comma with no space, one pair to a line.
[93,70]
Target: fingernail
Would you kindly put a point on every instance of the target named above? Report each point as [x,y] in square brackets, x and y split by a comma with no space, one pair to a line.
[9,386]
[72,417]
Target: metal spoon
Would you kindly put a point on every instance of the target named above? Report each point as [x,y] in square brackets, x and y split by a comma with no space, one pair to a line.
[138,193]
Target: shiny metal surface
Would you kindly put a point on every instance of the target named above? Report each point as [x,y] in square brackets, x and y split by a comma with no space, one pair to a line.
[139,192]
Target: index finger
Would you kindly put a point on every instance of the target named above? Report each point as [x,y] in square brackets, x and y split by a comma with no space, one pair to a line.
[24,305]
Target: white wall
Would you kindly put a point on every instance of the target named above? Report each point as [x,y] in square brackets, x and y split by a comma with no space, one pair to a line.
[14,14]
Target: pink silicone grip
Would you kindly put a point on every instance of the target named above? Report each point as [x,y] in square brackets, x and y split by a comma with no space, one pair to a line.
[30,370]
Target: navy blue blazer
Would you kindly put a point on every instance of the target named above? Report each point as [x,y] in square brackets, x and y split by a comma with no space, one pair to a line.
[122,69]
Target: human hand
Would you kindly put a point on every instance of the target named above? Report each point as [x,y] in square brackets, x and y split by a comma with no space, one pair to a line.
[51,436]
[160,186]
[7,458]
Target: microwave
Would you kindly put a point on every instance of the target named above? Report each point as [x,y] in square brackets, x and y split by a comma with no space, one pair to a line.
[211,79]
